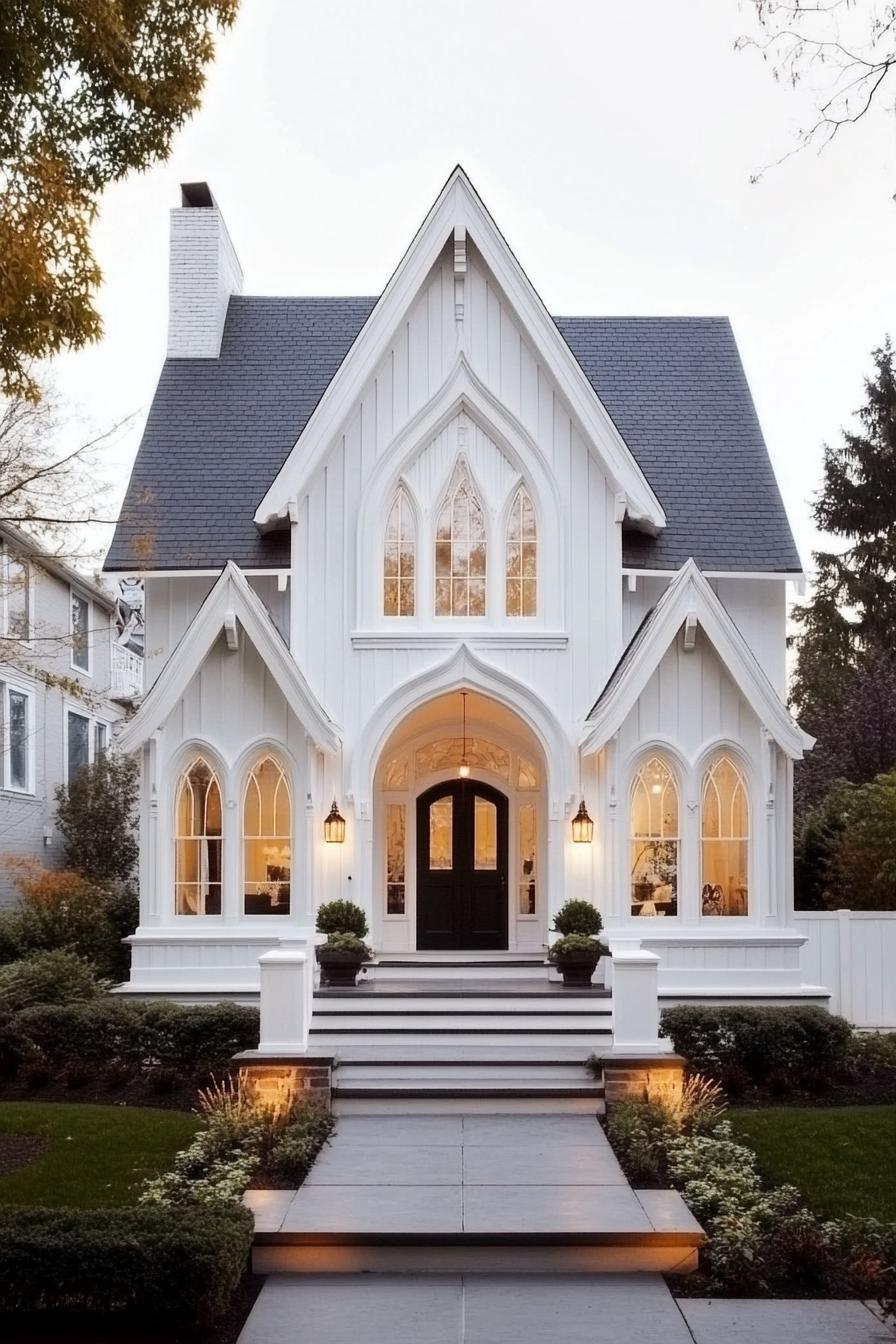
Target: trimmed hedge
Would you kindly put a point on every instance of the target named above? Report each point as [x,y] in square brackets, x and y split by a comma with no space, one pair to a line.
[784,1045]
[179,1265]
[140,1035]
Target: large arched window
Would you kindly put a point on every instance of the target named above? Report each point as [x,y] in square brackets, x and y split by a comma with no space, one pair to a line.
[460,550]
[267,840]
[654,840]
[725,840]
[197,841]
[399,558]
[521,571]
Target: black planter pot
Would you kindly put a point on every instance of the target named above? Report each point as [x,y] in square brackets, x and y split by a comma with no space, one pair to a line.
[338,967]
[576,968]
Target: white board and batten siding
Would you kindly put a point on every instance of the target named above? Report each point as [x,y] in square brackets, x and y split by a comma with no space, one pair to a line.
[853,952]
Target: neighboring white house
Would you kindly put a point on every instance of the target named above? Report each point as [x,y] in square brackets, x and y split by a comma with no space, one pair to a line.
[459,568]
[64,680]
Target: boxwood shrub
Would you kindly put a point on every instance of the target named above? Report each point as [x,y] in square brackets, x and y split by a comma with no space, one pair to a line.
[178,1265]
[798,1045]
[143,1036]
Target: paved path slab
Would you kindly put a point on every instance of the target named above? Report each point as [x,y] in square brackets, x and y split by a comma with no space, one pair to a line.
[747,1321]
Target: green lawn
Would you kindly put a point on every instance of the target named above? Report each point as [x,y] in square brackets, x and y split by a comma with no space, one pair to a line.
[842,1159]
[97,1157]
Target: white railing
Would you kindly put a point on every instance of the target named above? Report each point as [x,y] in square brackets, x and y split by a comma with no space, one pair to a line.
[127,672]
[853,954]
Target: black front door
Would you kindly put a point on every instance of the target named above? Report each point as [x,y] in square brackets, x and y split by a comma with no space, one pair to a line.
[462,867]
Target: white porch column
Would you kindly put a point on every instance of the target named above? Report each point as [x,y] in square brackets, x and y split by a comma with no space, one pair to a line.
[287,986]
[636,1009]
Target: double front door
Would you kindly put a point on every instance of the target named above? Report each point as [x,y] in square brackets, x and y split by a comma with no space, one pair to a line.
[461,867]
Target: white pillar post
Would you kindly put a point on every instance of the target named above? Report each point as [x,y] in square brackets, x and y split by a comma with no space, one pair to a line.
[844,966]
[636,1008]
[286,1000]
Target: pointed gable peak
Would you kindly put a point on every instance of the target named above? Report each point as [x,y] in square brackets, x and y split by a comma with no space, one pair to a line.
[459,213]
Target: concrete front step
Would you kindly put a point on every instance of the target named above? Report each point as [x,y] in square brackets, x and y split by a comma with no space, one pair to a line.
[462,1070]
[445,966]
[469,1101]
[341,1041]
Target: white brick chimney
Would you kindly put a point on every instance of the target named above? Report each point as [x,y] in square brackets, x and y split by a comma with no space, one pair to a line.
[204,272]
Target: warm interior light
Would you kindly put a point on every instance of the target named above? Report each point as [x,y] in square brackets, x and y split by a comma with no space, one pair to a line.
[582,826]
[463,769]
[334,826]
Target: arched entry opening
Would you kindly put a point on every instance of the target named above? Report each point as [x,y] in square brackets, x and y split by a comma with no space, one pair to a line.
[460,831]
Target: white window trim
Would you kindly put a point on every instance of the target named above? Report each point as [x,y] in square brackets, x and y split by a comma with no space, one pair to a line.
[75,707]
[74,592]
[31,737]
[7,558]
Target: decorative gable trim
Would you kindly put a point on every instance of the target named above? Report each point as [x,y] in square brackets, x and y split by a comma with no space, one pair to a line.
[230,601]
[459,214]
[689,602]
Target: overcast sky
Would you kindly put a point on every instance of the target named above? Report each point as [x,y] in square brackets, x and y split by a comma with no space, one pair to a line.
[613,143]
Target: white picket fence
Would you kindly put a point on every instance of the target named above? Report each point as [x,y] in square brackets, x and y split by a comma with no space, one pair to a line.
[853,954]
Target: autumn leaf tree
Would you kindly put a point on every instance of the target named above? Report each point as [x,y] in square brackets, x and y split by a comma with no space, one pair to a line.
[90,90]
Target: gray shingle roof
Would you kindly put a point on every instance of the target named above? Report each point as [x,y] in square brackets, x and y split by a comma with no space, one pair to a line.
[219,430]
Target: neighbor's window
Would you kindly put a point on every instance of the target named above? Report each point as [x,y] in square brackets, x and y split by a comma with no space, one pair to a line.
[725,840]
[399,558]
[100,739]
[654,840]
[18,738]
[78,743]
[267,840]
[197,841]
[395,858]
[80,632]
[15,598]
[521,578]
[460,550]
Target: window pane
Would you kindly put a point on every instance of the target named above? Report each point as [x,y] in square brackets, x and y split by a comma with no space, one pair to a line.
[441,816]
[17,599]
[100,739]
[521,564]
[18,740]
[654,876]
[654,841]
[267,841]
[399,559]
[395,859]
[198,843]
[527,869]
[78,743]
[460,550]
[485,834]
[526,774]
[725,826]
[80,632]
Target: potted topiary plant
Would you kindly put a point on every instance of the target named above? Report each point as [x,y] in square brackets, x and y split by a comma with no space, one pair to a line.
[344,953]
[341,958]
[577,952]
[576,955]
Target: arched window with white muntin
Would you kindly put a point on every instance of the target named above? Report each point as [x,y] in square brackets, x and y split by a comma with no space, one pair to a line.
[655,840]
[399,558]
[267,840]
[521,570]
[460,549]
[197,841]
[725,839]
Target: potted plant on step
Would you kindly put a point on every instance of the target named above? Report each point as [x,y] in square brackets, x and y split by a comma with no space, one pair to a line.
[345,951]
[577,952]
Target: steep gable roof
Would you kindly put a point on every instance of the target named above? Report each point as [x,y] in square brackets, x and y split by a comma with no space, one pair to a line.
[690,593]
[230,600]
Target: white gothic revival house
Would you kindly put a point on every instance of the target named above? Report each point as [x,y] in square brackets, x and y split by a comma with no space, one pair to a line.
[462,567]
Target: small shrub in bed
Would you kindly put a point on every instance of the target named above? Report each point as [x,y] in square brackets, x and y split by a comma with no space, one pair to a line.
[48,977]
[181,1266]
[795,1044]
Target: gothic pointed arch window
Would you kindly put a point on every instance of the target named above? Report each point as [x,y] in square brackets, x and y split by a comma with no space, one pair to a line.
[725,839]
[460,557]
[197,841]
[521,565]
[267,840]
[399,558]
[655,839]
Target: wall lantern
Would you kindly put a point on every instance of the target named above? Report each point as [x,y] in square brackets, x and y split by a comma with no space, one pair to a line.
[582,826]
[334,826]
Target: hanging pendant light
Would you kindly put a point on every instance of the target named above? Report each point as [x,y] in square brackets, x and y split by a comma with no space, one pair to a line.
[464,768]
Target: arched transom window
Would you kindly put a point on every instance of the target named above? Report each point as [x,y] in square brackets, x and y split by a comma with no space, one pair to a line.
[197,841]
[399,559]
[267,840]
[725,840]
[654,840]
[460,550]
[521,576]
